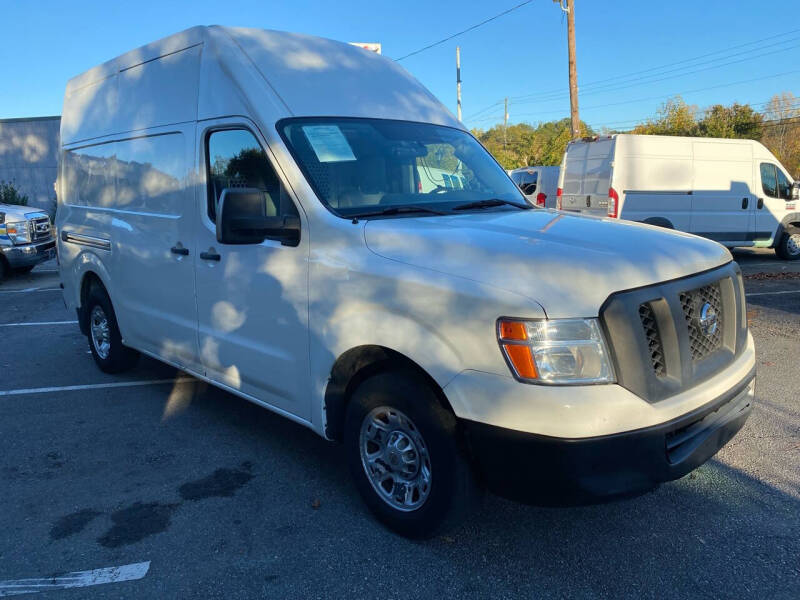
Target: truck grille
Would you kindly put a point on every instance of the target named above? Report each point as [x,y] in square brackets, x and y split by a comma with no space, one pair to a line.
[40,229]
[693,302]
[654,345]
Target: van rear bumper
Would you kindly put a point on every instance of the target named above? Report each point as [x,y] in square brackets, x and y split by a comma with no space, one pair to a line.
[547,470]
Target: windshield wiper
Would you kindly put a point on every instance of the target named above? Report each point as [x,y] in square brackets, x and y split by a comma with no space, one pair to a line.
[489,203]
[396,210]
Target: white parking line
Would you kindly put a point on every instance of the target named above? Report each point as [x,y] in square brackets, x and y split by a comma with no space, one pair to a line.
[75,579]
[28,290]
[773,293]
[92,386]
[37,323]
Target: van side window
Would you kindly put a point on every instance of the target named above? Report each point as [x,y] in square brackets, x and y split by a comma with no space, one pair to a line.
[784,187]
[528,183]
[237,160]
[769,181]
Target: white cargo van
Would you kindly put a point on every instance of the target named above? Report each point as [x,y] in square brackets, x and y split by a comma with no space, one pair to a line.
[539,184]
[732,191]
[250,207]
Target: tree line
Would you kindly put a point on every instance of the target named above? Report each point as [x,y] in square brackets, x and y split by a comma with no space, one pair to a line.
[777,126]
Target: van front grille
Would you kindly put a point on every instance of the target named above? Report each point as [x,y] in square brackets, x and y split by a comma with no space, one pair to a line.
[663,339]
[702,343]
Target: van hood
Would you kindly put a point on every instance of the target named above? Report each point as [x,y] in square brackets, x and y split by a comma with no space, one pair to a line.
[569,264]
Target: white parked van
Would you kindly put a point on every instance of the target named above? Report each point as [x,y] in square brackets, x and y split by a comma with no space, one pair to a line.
[732,191]
[250,207]
[539,184]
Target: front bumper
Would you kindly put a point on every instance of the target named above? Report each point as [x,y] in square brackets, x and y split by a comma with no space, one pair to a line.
[547,470]
[29,254]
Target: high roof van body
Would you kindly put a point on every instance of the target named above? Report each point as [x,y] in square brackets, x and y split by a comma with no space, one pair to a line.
[729,190]
[267,212]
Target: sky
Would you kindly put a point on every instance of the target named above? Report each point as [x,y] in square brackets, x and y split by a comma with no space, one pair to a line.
[631,55]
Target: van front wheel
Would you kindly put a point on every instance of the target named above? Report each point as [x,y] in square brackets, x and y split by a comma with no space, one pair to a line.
[788,248]
[105,340]
[403,453]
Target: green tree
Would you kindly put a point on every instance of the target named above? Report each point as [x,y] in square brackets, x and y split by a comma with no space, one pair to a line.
[523,144]
[734,121]
[781,130]
[10,195]
[674,117]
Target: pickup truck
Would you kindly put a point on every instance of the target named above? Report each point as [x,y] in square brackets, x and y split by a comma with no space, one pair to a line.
[26,239]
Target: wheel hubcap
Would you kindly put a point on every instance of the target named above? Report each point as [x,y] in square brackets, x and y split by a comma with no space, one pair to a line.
[101,335]
[395,458]
[793,244]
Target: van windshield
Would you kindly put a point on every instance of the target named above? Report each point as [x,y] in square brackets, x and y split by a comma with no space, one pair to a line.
[365,166]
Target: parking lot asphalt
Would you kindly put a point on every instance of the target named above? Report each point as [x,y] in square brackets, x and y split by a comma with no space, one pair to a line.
[226,500]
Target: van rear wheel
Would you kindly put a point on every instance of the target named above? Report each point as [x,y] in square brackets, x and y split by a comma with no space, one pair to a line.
[105,340]
[404,456]
[788,248]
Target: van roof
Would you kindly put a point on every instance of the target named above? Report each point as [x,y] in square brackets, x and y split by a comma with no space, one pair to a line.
[304,75]
[611,136]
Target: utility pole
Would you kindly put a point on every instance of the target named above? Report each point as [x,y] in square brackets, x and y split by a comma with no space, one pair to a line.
[573,71]
[505,123]
[458,79]
[568,6]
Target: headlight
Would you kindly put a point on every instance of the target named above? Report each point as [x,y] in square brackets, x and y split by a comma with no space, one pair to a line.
[18,232]
[558,351]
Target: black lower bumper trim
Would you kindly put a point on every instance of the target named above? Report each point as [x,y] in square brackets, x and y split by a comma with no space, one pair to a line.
[546,470]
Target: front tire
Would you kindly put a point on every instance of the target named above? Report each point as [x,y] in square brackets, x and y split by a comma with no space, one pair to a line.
[788,247]
[105,340]
[403,452]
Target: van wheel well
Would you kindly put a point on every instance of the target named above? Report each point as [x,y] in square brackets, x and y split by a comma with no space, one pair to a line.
[659,222]
[90,280]
[355,366]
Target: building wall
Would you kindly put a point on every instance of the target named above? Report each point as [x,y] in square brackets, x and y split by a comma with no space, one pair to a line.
[29,157]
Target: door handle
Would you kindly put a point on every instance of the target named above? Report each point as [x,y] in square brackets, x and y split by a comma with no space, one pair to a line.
[760,203]
[745,202]
[179,250]
[210,256]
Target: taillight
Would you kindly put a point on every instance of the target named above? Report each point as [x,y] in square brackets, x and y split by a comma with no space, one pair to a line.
[540,198]
[559,192]
[613,203]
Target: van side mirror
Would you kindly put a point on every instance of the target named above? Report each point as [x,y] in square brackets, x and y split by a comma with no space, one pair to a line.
[796,190]
[242,219]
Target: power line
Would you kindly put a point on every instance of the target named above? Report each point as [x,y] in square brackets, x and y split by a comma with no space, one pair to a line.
[642,81]
[700,114]
[634,74]
[558,94]
[658,97]
[468,29]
